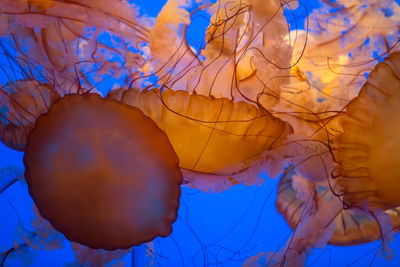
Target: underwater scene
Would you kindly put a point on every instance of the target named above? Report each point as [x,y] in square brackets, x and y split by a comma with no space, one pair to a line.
[199,133]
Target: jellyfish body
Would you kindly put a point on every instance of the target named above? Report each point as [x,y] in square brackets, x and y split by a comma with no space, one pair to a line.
[102,173]
[215,137]
[367,151]
[313,230]
[244,58]
[21,102]
[351,228]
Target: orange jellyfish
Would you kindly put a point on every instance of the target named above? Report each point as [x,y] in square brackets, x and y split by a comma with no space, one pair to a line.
[351,228]
[215,139]
[366,152]
[244,56]
[331,58]
[341,39]
[361,204]
[212,102]
[317,217]
[102,173]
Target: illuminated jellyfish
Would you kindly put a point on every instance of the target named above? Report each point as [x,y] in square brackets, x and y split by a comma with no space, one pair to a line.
[84,173]
[215,139]
[212,101]
[364,178]
[51,54]
[243,57]
[350,228]
[91,188]
[252,130]
[367,165]
[338,48]
[328,76]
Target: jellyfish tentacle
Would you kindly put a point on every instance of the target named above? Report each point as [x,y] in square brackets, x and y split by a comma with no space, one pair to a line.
[352,227]
[22,102]
[10,175]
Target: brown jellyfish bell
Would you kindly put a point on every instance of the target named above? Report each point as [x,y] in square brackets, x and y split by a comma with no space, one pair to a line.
[368,165]
[102,173]
[215,139]
[22,101]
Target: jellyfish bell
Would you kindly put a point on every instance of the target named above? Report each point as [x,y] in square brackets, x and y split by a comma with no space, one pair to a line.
[21,102]
[317,216]
[351,227]
[366,152]
[215,139]
[102,173]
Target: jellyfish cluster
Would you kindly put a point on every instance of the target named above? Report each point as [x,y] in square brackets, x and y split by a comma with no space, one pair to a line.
[115,111]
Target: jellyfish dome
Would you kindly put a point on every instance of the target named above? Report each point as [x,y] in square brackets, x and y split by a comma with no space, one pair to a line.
[367,151]
[213,138]
[102,173]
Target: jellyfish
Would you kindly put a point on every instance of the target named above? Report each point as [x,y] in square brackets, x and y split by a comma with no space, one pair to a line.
[217,96]
[86,177]
[45,43]
[351,207]
[243,58]
[351,227]
[339,45]
[213,138]
[317,104]
[367,165]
